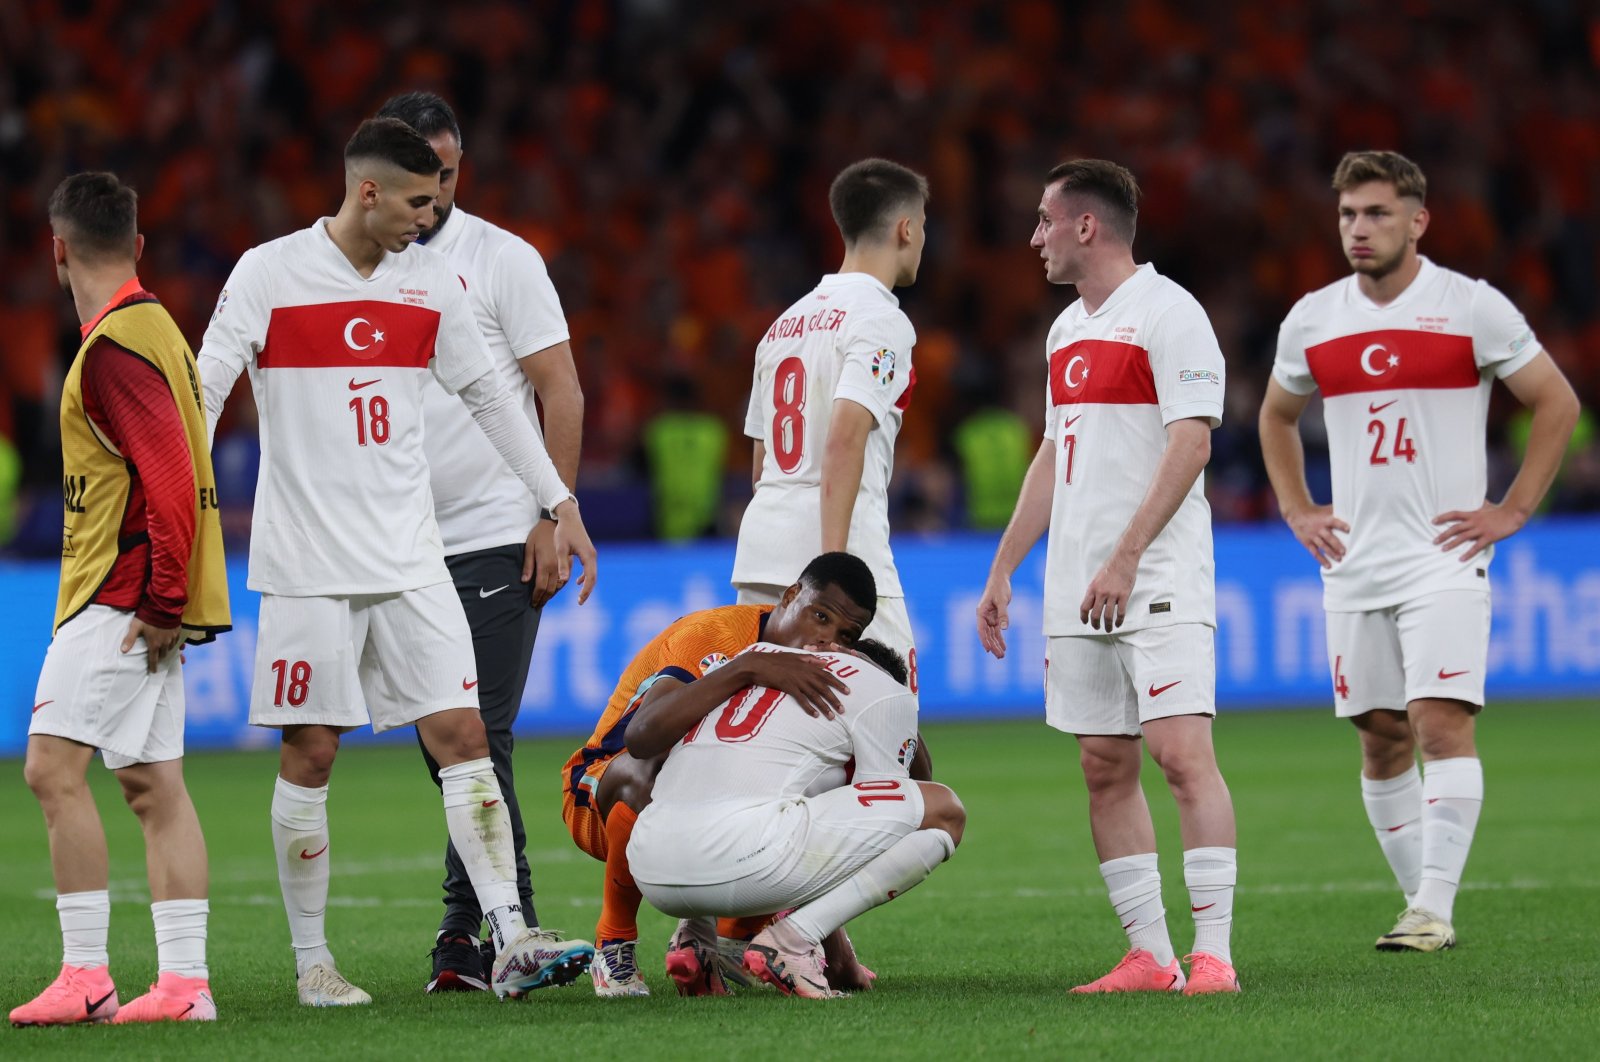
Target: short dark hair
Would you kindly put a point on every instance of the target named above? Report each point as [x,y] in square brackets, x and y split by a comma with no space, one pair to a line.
[884,657]
[426,112]
[846,571]
[394,142]
[865,193]
[1359,167]
[1109,185]
[99,213]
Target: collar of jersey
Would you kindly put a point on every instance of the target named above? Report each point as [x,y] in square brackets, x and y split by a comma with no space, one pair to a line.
[1418,282]
[1141,274]
[378,271]
[836,279]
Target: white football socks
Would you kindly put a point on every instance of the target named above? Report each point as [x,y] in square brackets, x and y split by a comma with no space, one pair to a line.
[480,828]
[1394,807]
[1452,793]
[1212,874]
[1135,887]
[904,865]
[85,926]
[300,835]
[181,936]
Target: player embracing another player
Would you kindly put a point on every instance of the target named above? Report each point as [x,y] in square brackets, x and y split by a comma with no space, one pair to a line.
[1405,354]
[1136,382]
[730,829]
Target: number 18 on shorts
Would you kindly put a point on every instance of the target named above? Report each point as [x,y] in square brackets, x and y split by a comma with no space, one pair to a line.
[387,659]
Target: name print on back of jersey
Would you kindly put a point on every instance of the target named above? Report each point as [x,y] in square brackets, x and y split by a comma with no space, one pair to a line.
[796,326]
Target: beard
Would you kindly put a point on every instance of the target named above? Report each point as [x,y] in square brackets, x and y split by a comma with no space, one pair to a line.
[439,219]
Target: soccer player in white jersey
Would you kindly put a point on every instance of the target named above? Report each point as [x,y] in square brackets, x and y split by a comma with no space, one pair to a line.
[484,512]
[731,831]
[338,325]
[1405,354]
[833,379]
[1135,387]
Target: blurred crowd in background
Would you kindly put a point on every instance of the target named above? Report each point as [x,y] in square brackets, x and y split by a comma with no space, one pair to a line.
[671,162]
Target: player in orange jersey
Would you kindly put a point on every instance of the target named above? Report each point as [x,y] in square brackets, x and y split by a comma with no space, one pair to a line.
[605,787]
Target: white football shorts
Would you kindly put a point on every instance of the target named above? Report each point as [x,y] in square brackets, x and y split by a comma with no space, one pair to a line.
[1115,683]
[822,839]
[91,692]
[1436,645]
[891,624]
[344,661]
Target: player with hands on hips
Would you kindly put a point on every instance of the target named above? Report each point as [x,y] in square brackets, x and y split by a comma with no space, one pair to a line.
[1405,353]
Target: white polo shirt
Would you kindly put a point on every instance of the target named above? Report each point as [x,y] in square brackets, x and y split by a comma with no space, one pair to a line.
[478,501]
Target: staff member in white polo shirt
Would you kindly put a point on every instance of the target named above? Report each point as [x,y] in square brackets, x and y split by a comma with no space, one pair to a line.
[503,573]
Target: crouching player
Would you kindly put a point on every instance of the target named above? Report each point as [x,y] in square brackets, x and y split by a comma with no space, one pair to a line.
[729,830]
[606,783]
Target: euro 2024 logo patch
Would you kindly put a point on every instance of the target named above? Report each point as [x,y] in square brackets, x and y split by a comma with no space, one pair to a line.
[883,366]
[908,751]
[222,301]
[711,662]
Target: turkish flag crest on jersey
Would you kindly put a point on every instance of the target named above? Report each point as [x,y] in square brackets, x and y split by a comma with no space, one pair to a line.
[332,334]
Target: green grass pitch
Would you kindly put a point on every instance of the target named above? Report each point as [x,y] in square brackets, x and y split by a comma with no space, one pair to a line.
[973,963]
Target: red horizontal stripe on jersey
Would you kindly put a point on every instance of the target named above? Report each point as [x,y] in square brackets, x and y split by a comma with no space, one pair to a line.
[1392,359]
[357,334]
[1102,370]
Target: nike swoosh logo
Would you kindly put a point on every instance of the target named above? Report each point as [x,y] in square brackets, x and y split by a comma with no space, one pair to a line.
[358,386]
[1452,674]
[468,685]
[312,855]
[490,803]
[1071,421]
[1395,829]
[1156,691]
[1207,907]
[490,593]
[1373,407]
[185,1011]
[97,1004]
[1130,923]
[41,704]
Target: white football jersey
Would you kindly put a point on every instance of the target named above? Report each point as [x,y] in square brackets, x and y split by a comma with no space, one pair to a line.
[478,501]
[1405,391]
[760,750]
[1118,377]
[338,362]
[847,339]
